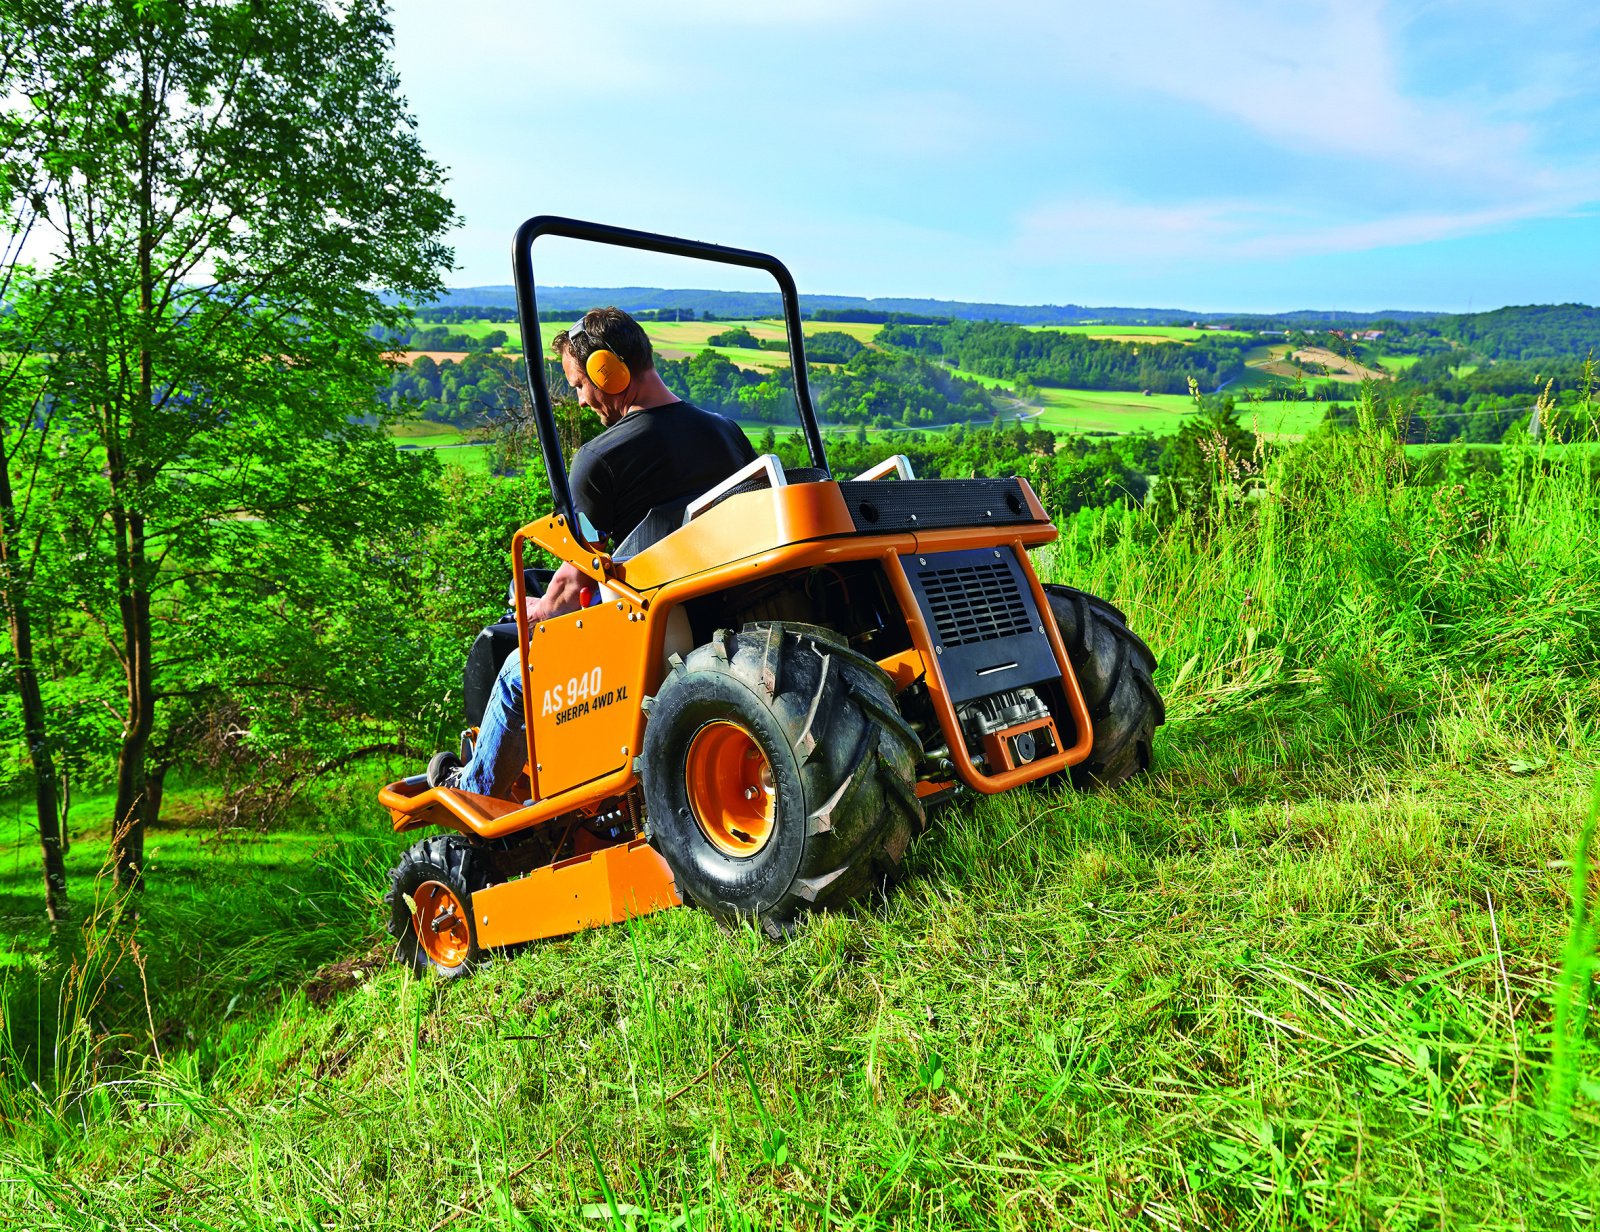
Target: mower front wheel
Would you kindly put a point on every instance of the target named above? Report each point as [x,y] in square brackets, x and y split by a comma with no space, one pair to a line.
[779,776]
[430,907]
[1115,670]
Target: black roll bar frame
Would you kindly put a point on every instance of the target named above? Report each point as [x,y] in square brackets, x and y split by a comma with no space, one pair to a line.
[599,233]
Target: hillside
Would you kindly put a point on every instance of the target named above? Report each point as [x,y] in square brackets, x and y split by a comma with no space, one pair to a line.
[1324,967]
[740,304]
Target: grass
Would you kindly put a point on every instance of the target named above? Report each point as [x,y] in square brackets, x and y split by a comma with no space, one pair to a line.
[451,440]
[1166,333]
[1322,968]
[1083,410]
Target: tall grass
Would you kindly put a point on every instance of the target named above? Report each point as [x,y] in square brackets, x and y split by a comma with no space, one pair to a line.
[1331,965]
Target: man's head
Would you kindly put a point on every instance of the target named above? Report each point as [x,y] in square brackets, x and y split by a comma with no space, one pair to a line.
[605,330]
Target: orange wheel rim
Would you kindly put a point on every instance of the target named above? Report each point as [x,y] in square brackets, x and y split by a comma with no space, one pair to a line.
[729,780]
[441,924]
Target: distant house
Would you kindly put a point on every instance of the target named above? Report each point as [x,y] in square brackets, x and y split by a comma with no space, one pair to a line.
[1371,335]
[1272,333]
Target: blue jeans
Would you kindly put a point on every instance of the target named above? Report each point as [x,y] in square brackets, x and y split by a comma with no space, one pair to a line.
[502,748]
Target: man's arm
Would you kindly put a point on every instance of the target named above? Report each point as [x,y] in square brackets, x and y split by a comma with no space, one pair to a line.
[563,595]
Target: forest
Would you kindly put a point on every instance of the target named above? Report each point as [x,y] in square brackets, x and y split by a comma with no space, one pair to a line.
[1052,358]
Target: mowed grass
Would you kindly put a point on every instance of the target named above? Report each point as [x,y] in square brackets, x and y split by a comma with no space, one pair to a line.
[1319,969]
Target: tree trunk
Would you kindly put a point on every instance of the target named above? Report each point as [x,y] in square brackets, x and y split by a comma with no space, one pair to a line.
[133,786]
[51,849]
[34,729]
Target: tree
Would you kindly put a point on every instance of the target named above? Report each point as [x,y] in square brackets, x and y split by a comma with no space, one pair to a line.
[23,421]
[231,186]
[1212,461]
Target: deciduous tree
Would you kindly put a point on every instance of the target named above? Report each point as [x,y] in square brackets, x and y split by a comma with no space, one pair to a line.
[233,185]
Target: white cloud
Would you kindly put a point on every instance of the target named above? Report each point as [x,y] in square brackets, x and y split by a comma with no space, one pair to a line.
[1110,231]
[1314,77]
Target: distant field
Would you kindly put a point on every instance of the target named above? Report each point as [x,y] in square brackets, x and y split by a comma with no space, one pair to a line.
[1135,333]
[1281,420]
[448,440]
[988,382]
[1086,410]
[1099,410]
[425,432]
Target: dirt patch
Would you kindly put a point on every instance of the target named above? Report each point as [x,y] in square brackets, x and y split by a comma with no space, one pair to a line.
[1316,362]
[1339,368]
[340,977]
[410,357]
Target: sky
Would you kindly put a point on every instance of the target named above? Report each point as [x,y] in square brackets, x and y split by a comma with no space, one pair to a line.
[1425,154]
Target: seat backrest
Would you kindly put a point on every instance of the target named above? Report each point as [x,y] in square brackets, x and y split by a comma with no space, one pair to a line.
[668,516]
[655,526]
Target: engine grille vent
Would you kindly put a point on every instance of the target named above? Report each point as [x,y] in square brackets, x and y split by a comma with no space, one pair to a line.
[975,603]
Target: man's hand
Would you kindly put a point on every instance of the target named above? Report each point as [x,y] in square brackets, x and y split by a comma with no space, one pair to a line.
[563,595]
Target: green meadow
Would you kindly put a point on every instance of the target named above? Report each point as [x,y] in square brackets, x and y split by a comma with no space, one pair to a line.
[1330,965]
[1171,333]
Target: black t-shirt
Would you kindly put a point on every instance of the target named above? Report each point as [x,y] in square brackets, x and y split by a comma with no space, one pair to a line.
[649,457]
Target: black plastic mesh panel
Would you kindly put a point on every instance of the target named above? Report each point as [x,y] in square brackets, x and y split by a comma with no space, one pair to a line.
[975,603]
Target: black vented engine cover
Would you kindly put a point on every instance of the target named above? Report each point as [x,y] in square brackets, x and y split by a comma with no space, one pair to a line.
[985,625]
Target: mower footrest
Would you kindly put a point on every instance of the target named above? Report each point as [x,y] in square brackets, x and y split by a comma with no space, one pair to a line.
[413,804]
[603,887]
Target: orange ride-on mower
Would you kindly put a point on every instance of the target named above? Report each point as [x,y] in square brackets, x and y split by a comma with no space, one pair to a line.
[772,687]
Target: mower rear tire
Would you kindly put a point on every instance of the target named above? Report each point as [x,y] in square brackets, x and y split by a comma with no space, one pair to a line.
[430,907]
[1115,670]
[779,775]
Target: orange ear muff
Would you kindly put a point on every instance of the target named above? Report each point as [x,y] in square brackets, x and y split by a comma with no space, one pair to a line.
[607,370]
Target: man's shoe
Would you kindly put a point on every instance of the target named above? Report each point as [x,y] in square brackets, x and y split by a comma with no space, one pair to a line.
[444,770]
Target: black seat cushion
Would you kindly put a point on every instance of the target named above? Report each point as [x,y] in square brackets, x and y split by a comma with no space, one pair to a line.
[484,661]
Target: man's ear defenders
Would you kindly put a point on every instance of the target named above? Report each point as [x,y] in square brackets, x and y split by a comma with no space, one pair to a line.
[605,368]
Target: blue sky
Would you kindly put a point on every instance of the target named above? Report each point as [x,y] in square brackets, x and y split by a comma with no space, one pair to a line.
[1258,156]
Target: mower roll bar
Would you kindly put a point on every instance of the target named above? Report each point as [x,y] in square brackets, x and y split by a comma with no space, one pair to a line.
[598,233]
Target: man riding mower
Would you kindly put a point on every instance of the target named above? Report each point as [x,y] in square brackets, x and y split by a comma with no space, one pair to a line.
[773,682]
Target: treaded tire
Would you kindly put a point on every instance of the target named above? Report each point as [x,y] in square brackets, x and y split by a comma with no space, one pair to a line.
[842,766]
[1115,671]
[448,859]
